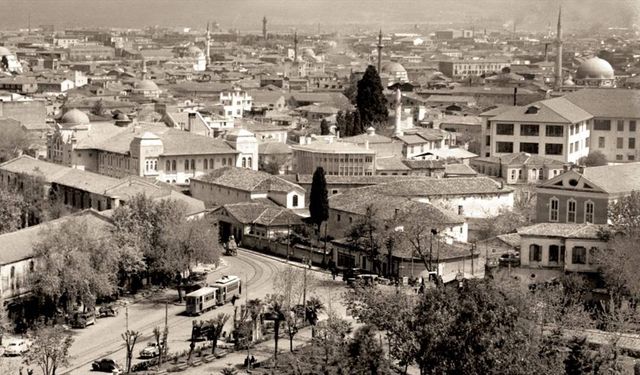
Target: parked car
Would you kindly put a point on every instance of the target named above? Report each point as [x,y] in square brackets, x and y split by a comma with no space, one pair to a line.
[107,365]
[349,274]
[82,320]
[151,351]
[17,347]
[509,259]
[110,310]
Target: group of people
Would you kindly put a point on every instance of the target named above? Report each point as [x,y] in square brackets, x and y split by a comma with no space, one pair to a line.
[250,361]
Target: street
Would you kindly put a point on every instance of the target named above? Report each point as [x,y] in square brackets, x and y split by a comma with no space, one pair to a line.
[104,339]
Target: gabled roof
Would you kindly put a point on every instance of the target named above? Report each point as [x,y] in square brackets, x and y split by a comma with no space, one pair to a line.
[615,179]
[261,214]
[556,110]
[521,158]
[248,180]
[622,103]
[563,230]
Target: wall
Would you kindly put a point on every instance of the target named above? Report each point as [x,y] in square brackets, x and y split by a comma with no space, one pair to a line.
[219,195]
[474,206]
[12,287]
[610,149]
[600,201]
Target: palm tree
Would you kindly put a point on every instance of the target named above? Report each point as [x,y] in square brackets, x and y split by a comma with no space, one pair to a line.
[217,325]
[312,309]
[276,310]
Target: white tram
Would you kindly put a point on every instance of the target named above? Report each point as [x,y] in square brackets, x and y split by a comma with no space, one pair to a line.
[205,299]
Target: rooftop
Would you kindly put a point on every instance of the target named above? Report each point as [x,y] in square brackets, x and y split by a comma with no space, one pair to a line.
[621,103]
[556,110]
[563,230]
[248,180]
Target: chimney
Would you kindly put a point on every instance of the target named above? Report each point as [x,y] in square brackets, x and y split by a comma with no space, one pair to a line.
[191,121]
[366,144]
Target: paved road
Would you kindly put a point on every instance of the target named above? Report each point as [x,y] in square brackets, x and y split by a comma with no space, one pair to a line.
[103,339]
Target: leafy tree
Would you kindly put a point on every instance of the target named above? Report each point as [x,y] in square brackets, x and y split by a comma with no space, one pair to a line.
[98,108]
[365,353]
[506,221]
[14,141]
[216,326]
[11,207]
[276,311]
[324,127]
[130,338]
[318,200]
[50,349]
[579,360]
[275,164]
[370,100]
[595,158]
[75,263]
[367,233]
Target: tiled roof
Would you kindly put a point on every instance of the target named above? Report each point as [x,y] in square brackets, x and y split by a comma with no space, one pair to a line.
[261,214]
[29,165]
[615,179]
[607,102]
[556,110]
[393,163]
[512,239]
[459,170]
[248,180]
[564,230]
[273,148]
[333,147]
[306,179]
[521,158]
[371,138]
[424,164]
[19,245]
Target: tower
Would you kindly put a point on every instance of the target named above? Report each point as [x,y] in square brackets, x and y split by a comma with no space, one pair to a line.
[397,129]
[379,46]
[208,47]
[295,47]
[264,27]
[558,80]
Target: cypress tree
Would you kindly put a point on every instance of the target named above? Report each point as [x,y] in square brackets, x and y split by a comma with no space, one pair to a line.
[371,102]
[324,127]
[318,198]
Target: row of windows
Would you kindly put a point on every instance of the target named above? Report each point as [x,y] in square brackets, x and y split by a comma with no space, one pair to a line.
[190,164]
[554,210]
[600,124]
[531,148]
[557,254]
[530,130]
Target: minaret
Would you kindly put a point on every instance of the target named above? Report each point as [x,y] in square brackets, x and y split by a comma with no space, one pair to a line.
[380,46]
[144,69]
[208,48]
[295,47]
[264,27]
[558,80]
[397,129]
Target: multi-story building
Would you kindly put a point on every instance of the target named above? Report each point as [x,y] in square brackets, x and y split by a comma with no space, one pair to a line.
[554,128]
[616,116]
[236,102]
[519,168]
[458,69]
[336,158]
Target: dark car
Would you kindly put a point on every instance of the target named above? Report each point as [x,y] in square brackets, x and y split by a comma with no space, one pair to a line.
[509,259]
[105,311]
[350,274]
[83,319]
[106,365]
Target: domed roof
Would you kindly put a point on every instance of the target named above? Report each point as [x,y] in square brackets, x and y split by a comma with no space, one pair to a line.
[74,117]
[194,51]
[595,68]
[4,51]
[147,85]
[309,52]
[392,68]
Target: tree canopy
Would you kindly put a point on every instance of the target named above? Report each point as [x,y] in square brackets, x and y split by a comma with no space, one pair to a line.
[370,99]
[595,158]
[318,198]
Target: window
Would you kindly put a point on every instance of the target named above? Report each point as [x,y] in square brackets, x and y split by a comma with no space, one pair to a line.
[588,212]
[553,149]
[186,165]
[602,125]
[211,163]
[504,129]
[619,142]
[249,163]
[554,131]
[554,206]
[632,125]
[487,140]
[571,211]
[506,147]
[535,253]
[620,125]
[601,142]
[541,174]
[460,210]
[631,157]
[530,130]
[531,148]
[224,161]
[173,165]
[294,201]
[244,162]
[554,253]
[168,168]
[338,218]
[579,255]
[193,164]
[206,164]
[632,143]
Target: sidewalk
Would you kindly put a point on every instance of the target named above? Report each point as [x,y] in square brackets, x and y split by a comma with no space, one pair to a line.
[285,261]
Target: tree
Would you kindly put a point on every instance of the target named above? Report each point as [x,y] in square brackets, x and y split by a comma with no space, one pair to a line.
[314,306]
[14,141]
[11,207]
[324,127]
[130,338]
[319,201]
[98,108]
[216,326]
[276,164]
[370,100]
[76,263]
[275,307]
[595,158]
[367,233]
[50,349]
[365,353]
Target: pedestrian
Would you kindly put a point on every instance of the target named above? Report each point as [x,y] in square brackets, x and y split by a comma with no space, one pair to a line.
[253,360]
[233,300]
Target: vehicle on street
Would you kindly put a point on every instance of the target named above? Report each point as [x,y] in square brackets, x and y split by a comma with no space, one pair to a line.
[106,365]
[349,274]
[152,350]
[509,259]
[231,248]
[228,286]
[16,347]
[83,319]
[110,310]
[201,300]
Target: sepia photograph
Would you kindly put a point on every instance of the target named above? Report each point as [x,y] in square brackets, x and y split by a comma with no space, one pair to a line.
[320,187]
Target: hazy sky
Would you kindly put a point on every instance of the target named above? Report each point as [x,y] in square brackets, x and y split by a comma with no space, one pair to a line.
[247,14]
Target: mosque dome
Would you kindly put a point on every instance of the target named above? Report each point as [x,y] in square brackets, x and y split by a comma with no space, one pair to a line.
[309,52]
[147,85]
[5,51]
[595,68]
[74,117]
[393,68]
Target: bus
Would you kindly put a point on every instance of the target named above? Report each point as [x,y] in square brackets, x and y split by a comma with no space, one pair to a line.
[228,286]
[201,300]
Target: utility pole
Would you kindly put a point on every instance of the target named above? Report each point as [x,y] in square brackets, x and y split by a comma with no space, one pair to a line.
[126,318]
[288,237]
[304,289]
